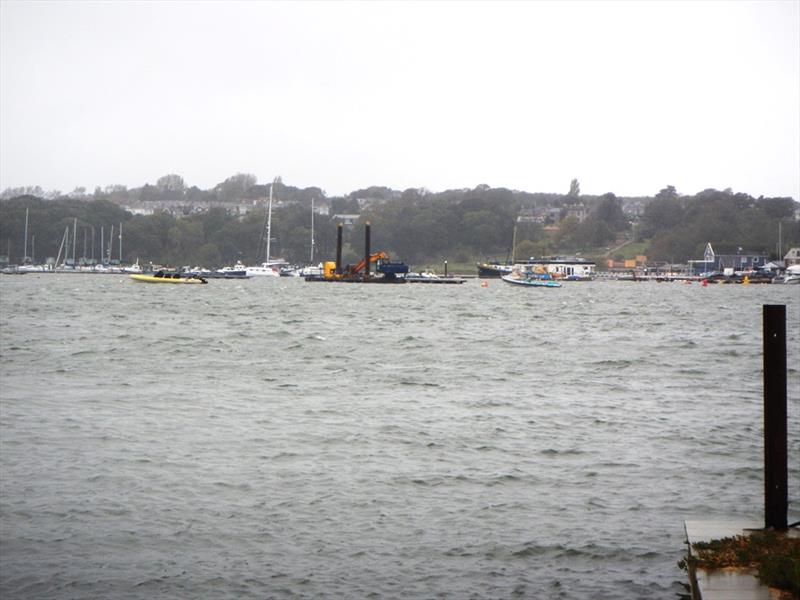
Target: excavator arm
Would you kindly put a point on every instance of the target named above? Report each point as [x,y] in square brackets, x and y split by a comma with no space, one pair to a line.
[372,258]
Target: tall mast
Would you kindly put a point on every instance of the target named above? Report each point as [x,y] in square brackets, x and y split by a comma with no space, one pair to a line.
[312,231]
[33,248]
[110,243]
[269,217]
[92,244]
[64,238]
[514,243]
[120,243]
[102,244]
[25,250]
[74,238]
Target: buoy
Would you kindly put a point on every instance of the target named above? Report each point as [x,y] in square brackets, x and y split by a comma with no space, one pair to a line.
[705,282]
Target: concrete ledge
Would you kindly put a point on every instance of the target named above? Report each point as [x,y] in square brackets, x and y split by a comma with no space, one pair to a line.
[729,583]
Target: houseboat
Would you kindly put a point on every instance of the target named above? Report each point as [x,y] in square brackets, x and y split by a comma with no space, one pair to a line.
[564,268]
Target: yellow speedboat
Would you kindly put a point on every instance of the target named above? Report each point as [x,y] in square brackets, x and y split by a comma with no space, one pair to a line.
[161,277]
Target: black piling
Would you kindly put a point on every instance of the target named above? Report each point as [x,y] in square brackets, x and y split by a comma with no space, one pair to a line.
[776,499]
[366,251]
[339,248]
[445,268]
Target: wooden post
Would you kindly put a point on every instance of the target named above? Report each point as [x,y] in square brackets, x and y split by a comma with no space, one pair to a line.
[776,499]
[366,251]
[339,248]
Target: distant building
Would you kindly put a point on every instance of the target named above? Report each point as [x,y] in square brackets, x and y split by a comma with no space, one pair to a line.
[578,211]
[182,208]
[792,257]
[720,263]
[322,206]
[346,220]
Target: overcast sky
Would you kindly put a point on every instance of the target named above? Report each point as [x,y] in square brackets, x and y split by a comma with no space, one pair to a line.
[627,97]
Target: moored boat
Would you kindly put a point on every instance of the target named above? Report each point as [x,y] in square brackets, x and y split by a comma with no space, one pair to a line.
[792,274]
[173,278]
[563,268]
[424,277]
[237,271]
[531,276]
[493,270]
[266,269]
[531,281]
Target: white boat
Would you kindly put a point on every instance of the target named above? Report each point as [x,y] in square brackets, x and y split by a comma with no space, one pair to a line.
[310,271]
[531,276]
[531,281]
[134,268]
[269,268]
[792,274]
[265,270]
[237,270]
[32,268]
[426,277]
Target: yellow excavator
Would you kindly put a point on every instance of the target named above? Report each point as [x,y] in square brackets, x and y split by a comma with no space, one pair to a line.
[351,271]
[386,271]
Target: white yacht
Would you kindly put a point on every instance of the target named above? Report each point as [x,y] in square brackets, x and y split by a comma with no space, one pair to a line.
[792,274]
[267,269]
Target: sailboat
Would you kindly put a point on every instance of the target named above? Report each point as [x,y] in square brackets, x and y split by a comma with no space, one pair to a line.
[496,269]
[269,268]
[310,269]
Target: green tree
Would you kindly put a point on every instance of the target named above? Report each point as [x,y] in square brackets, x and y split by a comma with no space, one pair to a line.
[235,187]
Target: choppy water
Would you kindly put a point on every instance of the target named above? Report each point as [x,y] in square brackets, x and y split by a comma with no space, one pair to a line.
[280,439]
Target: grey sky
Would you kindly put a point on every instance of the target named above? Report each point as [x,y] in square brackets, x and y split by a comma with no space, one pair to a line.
[627,97]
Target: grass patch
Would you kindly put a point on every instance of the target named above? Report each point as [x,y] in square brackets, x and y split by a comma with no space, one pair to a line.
[775,557]
[631,250]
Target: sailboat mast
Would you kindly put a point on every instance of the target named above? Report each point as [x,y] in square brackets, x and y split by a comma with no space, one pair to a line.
[33,248]
[74,238]
[110,243]
[120,243]
[269,219]
[312,231]
[64,238]
[102,243]
[514,243]
[25,250]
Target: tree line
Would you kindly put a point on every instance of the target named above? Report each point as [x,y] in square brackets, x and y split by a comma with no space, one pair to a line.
[415,225]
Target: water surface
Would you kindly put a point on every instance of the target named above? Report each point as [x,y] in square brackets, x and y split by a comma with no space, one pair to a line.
[272,438]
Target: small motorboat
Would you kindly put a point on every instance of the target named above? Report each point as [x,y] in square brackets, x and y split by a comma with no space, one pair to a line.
[531,280]
[161,277]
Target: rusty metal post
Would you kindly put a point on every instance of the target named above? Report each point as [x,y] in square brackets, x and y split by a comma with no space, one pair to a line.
[776,498]
[339,248]
[366,250]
